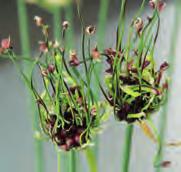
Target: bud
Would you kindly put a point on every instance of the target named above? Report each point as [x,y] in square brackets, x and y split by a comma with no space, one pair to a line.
[43,47]
[165,85]
[65,25]
[56,44]
[159,4]
[38,21]
[93,111]
[6,43]
[51,68]
[74,61]
[95,53]
[164,66]
[90,30]
[146,64]
[138,24]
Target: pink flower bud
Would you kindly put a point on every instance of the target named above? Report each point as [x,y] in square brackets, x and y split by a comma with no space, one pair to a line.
[6,43]
[43,47]
[51,68]
[95,53]
[160,5]
[138,24]
[74,61]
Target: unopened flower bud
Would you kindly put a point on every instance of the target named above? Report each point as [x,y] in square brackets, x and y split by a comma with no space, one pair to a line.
[51,68]
[65,25]
[74,61]
[164,66]
[95,53]
[165,85]
[138,24]
[6,43]
[159,4]
[56,44]
[38,21]
[43,47]
[90,30]
[93,111]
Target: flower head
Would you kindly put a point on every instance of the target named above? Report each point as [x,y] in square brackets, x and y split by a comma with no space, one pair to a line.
[90,30]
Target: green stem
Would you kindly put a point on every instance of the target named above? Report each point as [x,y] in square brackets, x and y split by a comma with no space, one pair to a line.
[25,44]
[171,60]
[57,23]
[91,160]
[70,43]
[72,161]
[58,161]
[57,36]
[70,32]
[127,149]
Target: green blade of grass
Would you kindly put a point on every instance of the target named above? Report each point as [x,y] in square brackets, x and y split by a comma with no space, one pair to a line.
[171,61]
[25,44]
[57,23]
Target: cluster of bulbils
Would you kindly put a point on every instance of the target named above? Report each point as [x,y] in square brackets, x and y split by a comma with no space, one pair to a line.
[68,112]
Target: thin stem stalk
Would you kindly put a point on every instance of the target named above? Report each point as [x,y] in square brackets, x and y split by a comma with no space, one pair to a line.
[102,20]
[171,60]
[72,161]
[57,37]
[25,45]
[127,149]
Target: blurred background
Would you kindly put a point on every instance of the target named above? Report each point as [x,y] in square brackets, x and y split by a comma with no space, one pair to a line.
[16,135]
